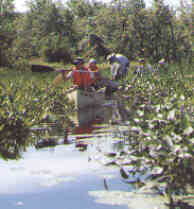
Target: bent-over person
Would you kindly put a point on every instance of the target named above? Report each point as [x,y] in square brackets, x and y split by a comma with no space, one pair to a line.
[119,65]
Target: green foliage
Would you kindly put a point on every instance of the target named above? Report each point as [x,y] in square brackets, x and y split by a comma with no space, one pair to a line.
[84,8]
[124,26]
[6,6]
[24,104]
[161,128]
[56,49]
[161,103]
[7,31]
[161,119]
[54,24]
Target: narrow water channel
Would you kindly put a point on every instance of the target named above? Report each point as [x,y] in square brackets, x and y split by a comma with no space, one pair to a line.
[64,175]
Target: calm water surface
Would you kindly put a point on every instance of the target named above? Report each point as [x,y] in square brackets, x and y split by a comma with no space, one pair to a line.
[60,177]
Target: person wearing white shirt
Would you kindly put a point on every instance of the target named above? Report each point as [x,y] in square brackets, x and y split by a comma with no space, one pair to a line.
[119,65]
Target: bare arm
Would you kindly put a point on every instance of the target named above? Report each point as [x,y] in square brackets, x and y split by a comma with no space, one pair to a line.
[62,76]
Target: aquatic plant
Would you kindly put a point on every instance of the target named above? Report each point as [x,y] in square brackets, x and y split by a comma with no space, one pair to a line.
[161,130]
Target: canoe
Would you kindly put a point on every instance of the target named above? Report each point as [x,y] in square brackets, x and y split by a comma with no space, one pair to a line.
[84,99]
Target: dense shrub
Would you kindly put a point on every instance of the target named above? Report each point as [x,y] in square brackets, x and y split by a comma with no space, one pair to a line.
[56,49]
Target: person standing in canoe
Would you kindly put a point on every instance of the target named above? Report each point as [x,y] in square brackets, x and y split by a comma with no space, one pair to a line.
[119,65]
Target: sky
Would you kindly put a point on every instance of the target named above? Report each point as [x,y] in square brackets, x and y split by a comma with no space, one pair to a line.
[20,4]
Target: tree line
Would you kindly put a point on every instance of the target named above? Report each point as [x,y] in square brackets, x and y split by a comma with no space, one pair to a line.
[59,31]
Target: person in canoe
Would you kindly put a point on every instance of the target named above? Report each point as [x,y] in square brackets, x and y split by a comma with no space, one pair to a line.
[98,81]
[119,65]
[79,74]
[86,78]
[95,75]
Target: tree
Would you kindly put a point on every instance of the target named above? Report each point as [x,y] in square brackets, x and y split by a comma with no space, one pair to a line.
[48,25]
[7,30]
[84,8]
[6,6]
[185,29]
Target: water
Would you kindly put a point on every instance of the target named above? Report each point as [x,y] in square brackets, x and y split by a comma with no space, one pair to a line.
[62,176]
[59,178]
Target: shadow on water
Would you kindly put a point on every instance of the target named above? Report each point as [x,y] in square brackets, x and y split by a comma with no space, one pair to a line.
[62,163]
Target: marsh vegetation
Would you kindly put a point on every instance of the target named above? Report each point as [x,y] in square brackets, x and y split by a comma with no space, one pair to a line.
[158,107]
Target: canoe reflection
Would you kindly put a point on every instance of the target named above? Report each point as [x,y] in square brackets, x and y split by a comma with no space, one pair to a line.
[86,122]
[78,127]
[89,115]
[96,121]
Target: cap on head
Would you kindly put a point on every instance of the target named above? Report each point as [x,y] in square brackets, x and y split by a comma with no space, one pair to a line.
[78,61]
[92,61]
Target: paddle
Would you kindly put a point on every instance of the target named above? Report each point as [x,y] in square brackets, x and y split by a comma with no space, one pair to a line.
[63,72]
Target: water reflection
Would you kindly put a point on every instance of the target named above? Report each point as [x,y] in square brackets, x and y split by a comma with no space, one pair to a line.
[72,128]
[54,164]
[99,131]
[86,123]
[13,143]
